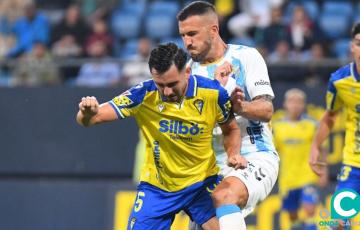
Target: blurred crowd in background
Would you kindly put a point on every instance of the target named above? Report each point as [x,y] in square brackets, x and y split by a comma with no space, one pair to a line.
[100,43]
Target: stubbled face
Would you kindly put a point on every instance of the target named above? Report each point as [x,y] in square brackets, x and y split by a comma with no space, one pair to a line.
[355,49]
[171,84]
[196,35]
[294,105]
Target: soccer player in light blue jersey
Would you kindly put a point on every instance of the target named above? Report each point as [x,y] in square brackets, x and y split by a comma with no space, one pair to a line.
[177,113]
[243,72]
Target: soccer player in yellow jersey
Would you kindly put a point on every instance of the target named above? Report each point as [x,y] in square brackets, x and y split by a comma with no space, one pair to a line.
[293,136]
[343,92]
[177,113]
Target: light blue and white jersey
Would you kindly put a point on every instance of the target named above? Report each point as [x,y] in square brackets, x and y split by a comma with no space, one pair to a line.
[251,75]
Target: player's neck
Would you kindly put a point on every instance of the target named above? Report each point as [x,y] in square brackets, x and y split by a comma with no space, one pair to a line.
[294,118]
[217,51]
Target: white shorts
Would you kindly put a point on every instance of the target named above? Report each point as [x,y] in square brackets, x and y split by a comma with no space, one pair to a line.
[259,176]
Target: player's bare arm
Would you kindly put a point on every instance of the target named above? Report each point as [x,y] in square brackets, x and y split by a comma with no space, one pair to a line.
[325,126]
[259,109]
[232,144]
[91,113]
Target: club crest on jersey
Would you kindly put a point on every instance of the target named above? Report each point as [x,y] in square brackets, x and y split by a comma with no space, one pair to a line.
[161,107]
[122,100]
[199,104]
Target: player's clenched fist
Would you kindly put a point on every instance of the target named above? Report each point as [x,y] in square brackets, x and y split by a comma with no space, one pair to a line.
[237,161]
[222,73]
[89,106]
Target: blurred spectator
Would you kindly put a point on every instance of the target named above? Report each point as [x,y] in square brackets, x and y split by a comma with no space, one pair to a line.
[282,53]
[302,30]
[275,32]
[254,13]
[72,25]
[32,27]
[100,33]
[136,69]
[315,53]
[98,73]
[99,9]
[36,68]
[6,42]
[11,10]
[66,47]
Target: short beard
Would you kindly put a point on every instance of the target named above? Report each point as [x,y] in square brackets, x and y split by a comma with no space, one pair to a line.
[201,56]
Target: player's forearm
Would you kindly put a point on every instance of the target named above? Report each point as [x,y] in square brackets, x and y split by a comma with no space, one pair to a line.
[258,110]
[232,139]
[232,143]
[325,126]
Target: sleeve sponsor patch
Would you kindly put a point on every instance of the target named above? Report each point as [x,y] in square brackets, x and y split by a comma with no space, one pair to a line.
[122,100]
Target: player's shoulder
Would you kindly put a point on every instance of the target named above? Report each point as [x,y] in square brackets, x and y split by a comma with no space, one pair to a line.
[207,83]
[341,73]
[242,51]
[144,86]
[139,91]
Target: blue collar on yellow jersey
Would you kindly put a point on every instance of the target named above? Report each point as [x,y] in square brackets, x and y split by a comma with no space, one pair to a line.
[355,72]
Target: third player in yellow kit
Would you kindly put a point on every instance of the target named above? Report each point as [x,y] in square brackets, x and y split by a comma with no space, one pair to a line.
[293,135]
[343,92]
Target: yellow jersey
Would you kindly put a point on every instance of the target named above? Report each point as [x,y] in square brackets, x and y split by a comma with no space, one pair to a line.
[293,142]
[178,136]
[344,91]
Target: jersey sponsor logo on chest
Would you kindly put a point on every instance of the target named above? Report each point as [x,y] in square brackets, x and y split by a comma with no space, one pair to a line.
[179,127]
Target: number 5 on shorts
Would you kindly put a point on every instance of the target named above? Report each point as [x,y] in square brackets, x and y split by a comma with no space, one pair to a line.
[139,201]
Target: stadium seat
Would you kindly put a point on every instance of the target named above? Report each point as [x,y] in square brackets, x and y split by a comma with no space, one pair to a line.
[159,26]
[334,25]
[177,40]
[341,48]
[170,7]
[342,7]
[125,24]
[129,49]
[134,7]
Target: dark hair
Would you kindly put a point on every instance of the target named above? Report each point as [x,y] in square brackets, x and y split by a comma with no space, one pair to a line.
[163,56]
[195,8]
[355,30]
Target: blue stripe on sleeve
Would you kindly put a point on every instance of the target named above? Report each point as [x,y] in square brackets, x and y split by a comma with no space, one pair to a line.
[226,210]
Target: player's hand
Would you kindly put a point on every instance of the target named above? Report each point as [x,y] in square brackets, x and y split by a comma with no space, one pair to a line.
[89,106]
[223,72]
[238,100]
[318,167]
[237,161]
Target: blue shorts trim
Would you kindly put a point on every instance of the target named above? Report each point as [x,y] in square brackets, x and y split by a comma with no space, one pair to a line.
[308,194]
